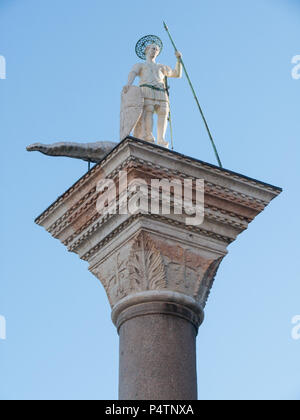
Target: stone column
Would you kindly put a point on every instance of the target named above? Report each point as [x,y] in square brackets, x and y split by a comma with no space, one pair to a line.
[158,346]
[157,269]
[153,283]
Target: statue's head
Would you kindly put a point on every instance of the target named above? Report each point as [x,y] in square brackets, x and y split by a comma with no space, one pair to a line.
[152,51]
[149,45]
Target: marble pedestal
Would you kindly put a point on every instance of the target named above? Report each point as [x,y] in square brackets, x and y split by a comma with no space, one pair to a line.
[157,270]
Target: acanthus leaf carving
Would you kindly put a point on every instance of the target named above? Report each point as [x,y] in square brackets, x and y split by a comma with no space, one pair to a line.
[203,291]
[146,266]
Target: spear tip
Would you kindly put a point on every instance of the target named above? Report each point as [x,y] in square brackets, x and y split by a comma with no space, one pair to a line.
[165,26]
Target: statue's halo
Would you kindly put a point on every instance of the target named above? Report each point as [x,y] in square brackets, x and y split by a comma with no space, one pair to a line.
[144,42]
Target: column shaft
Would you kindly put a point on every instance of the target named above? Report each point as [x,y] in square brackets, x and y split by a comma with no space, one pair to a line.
[157,352]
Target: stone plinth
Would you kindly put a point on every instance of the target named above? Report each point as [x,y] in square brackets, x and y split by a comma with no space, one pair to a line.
[157,270]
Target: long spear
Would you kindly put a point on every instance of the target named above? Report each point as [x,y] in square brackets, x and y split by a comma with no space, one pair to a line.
[196,99]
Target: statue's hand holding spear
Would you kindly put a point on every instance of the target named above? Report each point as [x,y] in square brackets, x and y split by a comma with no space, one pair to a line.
[178,55]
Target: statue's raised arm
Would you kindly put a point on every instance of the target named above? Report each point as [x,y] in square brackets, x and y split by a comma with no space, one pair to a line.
[177,72]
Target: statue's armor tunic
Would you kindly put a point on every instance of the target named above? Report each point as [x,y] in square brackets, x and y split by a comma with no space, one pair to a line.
[154,74]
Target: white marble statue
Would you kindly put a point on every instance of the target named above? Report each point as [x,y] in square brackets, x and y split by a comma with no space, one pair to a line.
[139,105]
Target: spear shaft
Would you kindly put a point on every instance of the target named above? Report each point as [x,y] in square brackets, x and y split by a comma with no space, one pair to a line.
[196,99]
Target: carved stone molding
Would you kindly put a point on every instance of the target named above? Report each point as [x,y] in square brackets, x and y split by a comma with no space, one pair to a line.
[136,267]
[146,253]
[115,232]
[149,263]
[146,265]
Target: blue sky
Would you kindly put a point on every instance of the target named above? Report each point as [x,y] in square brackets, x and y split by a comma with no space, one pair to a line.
[66,64]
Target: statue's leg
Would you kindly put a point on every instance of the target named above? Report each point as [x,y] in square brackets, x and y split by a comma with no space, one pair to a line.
[162,123]
[149,111]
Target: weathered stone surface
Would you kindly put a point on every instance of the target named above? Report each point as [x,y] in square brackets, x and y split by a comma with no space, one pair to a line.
[91,152]
[138,104]
[185,258]
[155,260]
[132,103]
[157,354]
